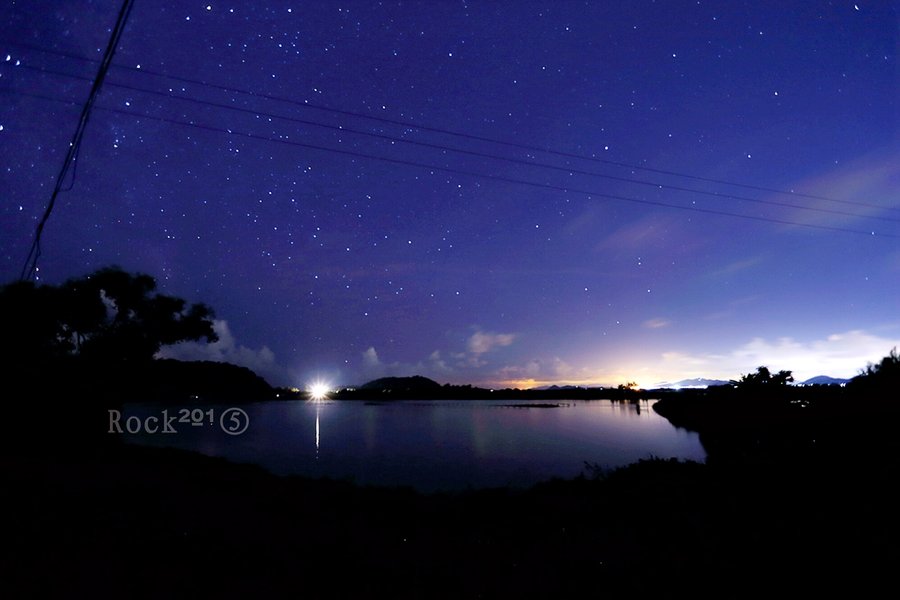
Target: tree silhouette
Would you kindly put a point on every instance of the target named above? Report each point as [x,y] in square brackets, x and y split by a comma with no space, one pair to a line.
[889,367]
[109,316]
[881,378]
[764,378]
[31,322]
[135,322]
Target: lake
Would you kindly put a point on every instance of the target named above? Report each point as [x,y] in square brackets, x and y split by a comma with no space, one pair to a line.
[430,445]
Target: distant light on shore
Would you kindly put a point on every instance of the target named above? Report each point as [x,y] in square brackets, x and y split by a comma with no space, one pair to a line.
[318,390]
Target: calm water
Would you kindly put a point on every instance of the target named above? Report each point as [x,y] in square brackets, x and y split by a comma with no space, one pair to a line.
[431,445]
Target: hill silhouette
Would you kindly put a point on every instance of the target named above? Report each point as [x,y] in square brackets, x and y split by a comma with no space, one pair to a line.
[417,387]
[169,380]
[416,383]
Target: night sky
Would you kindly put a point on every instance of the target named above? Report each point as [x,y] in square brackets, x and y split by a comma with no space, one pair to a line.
[497,193]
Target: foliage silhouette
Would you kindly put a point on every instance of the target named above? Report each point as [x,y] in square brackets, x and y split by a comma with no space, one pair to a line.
[72,351]
[764,377]
[109,316]
[120,318]
[879,381]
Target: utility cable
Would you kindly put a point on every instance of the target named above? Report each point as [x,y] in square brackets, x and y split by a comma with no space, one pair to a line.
[29,269]
[411,125]
[570,171]
[589,193]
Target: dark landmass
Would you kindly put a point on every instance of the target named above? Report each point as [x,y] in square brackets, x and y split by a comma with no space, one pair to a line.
[772,509]
[824,380]
[692,383]
[156,523]
[557,387]
[534,405]
[797,496]
[164,380]
[402,385]
[422,388]
[178,381]
[95,339]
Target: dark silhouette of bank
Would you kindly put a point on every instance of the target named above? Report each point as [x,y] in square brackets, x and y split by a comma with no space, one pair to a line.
[798,494]
[879,381]
[418,387]
[762,420]
[72,351]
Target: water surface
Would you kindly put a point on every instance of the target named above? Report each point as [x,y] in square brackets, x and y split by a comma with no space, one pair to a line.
[434,445]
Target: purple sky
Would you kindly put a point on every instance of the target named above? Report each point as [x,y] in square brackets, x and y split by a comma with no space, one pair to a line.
[392,258]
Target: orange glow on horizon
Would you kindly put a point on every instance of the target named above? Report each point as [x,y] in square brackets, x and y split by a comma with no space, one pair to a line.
[524,384]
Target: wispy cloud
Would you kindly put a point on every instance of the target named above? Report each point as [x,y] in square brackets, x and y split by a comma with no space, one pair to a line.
[434,366]
[441,365]
[639,234]
[864,179]
[536,372]
[839,355]
[730,309]
[226,349]
[737,266]
[485,341]
[657,323]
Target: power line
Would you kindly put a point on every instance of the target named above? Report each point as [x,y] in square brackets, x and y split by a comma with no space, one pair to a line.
[29,268]
[588,193]
[570,171]
[408,124]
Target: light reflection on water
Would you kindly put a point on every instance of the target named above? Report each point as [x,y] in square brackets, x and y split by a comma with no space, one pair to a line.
[434,445]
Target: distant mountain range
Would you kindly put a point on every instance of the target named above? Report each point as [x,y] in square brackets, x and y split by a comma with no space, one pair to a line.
[823,380]
[419,386]
[698,382]
[704,383]
[559,387]
[416,383]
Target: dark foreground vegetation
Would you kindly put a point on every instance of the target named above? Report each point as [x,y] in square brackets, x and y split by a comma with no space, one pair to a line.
[95,339]
[795,499]
[763,420]
[798,496]
[151,523]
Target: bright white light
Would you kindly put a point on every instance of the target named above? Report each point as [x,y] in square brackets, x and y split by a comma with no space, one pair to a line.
[318,390]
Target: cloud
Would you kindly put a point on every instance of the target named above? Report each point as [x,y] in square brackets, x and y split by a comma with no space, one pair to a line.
[437,362]
[656,323]
[732,307]
[537,372]
[472,361]
[433,366]
[866,178]
[226,349]
[637,235]
[485,341]
[370,359]
[372,367]
[842,354]
[892,261]
[737,266]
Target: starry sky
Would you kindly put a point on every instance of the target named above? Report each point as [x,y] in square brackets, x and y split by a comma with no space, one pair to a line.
[498,193]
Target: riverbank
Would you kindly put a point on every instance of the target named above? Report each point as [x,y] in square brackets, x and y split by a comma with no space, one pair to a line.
[142,522]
